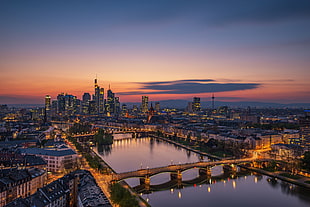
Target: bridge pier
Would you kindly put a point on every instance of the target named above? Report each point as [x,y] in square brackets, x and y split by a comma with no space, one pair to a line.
[205,171]
[176,175]
[146,180]
[234,168]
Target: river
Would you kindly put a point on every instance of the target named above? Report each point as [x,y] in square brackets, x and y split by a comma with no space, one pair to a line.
[242,189]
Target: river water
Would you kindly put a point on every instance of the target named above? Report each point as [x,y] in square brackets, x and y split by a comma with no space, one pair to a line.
[241,189]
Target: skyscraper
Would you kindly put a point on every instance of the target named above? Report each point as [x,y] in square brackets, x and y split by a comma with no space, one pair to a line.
[124,110]
[86,97]
[117,106]
[98,98]
[67,104]
[145,104]
[85,103]
[110,103]
[196,104]
[157,107]
[47,108]
[47,102]
[101,101]
[61,103]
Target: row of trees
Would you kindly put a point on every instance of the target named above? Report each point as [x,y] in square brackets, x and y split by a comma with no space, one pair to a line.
[122,196]
[275,126]
[93,161]
[220,148]
[306,161]
[103,138]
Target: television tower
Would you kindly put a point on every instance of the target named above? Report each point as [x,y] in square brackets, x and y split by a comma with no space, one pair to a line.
[212,100]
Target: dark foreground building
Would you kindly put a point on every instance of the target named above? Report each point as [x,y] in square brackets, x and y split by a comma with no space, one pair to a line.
[76,189]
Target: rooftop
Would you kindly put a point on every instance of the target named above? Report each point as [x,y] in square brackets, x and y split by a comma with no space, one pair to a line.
[50,152]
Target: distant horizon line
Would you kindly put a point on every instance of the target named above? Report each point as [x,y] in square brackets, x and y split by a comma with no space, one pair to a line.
[265,104]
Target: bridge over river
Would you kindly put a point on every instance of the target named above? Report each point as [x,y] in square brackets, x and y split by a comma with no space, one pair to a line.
[178,169]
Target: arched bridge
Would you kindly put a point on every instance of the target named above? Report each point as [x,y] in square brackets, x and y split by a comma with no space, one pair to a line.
[179,168]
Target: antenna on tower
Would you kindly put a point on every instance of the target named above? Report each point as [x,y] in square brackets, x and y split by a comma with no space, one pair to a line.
[96,84]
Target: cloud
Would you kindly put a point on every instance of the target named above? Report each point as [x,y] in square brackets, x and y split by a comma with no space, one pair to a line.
[177,81]
[7,99]
[262,11]
[191,86]
[224,12]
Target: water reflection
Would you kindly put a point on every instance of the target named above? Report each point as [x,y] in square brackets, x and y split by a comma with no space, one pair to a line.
[162,182]
[290,189]
[104,149]
[240,189]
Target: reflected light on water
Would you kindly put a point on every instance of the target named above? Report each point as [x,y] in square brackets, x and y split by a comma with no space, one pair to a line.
[179,194]
[209,189]
[234,184]
[255,179]
[171,190]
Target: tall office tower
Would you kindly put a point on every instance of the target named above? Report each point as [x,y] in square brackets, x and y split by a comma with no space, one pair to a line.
[98,97]
[101,101]
[196,104]
[70,104]
[304,124]
[61,103]
[77,106]
[145,104]
[86,97]
[85,103]
[92,108]
[47,108]
[54,107]
[157,107]
[110,103]
[124,110]
[117,106]
[47,102]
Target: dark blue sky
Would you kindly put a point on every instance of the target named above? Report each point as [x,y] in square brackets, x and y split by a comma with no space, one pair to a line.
[257,44]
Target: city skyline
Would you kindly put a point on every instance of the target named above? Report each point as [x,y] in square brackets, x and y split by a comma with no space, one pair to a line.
[241,51]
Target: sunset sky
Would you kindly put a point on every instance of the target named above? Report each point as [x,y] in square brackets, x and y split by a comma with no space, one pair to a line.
[241,50]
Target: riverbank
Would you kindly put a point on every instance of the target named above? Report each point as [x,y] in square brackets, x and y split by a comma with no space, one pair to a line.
[141,201]
[299,182]
[188,148]
[277,175]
